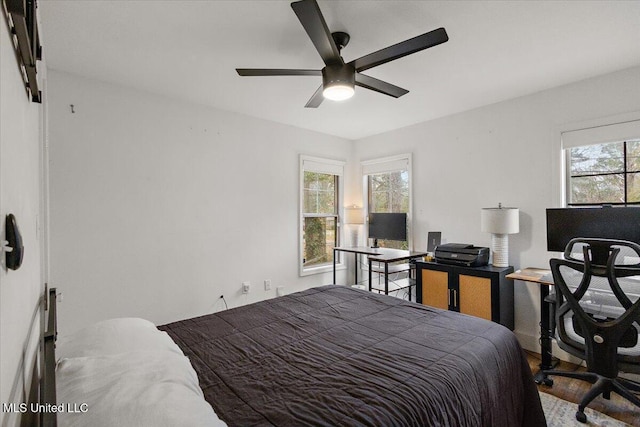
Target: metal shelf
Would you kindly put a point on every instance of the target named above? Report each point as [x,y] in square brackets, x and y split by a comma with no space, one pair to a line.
[395,285]
[393,268]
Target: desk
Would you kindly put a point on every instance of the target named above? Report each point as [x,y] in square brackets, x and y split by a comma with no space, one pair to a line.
[547,321]
[355,250]
[381,255]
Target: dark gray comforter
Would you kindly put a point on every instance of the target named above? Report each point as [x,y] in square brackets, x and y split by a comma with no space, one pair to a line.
[337,356]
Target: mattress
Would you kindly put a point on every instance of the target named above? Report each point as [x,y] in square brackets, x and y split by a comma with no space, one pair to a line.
[335,355]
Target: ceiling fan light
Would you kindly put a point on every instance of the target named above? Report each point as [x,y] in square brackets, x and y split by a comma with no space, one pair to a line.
[338,82]
[338,92]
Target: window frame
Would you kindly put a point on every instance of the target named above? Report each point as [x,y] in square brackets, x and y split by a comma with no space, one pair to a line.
[624,172]
[389,164]
[622,131]
[328,166]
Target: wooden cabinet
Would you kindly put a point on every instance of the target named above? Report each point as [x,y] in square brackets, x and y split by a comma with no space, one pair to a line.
[437,294]
[478,291]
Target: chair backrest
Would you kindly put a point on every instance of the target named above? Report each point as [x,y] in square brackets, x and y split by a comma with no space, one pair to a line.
[598,302]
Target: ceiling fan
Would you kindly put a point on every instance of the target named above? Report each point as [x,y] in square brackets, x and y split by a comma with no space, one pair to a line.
[338,77]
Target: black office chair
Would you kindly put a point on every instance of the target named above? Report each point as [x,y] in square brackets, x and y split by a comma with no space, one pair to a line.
[598,315]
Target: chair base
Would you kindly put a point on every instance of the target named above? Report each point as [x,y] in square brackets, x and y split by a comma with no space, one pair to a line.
[601,386]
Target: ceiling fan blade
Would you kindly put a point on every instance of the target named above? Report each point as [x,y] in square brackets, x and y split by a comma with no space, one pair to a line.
[368,82]
[316,99]
[276,72]
[311,18]
[407,47]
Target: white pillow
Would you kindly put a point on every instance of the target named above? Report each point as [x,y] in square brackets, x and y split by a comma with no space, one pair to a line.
[144,388]
[115,336]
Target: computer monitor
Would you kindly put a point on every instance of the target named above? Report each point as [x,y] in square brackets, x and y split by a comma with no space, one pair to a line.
[564,224]
[387,226]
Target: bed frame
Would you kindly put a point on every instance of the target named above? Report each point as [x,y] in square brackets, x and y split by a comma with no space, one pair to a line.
[48,384]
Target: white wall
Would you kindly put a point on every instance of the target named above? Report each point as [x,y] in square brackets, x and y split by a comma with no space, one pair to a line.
[20,290]
[158,207]
[507,152]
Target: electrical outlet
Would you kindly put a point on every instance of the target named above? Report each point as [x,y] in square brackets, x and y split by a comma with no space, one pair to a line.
[267,284]
[246,286]
[280,291]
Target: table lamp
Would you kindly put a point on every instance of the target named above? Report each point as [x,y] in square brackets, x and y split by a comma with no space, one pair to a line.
[500,222]
[353,215]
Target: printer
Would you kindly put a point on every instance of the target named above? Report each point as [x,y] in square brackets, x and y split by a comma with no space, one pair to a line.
[462,254]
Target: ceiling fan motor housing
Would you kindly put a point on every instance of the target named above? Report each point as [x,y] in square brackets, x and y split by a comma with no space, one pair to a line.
[338,81]
[338,75]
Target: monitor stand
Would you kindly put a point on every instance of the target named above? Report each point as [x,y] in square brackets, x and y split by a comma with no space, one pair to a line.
[375,244]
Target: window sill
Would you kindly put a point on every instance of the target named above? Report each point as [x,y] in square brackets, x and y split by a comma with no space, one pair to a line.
[309,271]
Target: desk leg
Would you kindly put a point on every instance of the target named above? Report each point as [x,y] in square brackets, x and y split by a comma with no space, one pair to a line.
[546,334]
[356,267]
[386,278]
[370,275]
[334,265]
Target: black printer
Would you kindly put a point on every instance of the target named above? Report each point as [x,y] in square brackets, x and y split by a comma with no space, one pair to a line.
[462,254]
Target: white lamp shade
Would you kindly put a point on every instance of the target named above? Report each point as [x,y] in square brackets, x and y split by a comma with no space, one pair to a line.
[353,215]
[500,220]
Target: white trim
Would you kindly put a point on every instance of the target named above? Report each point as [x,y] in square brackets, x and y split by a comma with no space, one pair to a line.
[315,164]
[328,166]
[601,134]
[322,268]
[386,164]
[557,170]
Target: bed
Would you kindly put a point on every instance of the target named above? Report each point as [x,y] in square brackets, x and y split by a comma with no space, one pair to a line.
[335,355]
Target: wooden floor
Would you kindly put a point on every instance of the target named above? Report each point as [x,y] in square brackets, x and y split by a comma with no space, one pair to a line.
[572,390]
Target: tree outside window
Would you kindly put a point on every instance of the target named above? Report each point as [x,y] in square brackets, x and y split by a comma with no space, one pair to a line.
[604,174]
[320,216]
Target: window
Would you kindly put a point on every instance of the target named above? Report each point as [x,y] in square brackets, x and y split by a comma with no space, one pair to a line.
[321,183]
[603,164]
[604,173]
[388,190]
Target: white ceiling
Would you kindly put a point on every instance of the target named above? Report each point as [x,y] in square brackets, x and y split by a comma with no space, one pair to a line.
[189,50]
